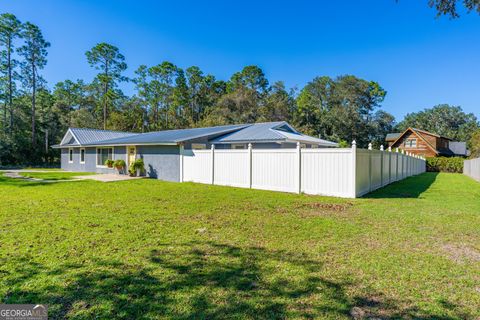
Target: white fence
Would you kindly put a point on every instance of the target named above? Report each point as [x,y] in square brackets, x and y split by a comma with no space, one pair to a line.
[471,168]
[347,173]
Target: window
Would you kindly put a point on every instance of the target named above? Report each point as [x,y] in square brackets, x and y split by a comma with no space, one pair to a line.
[70,155]
[410,143]
[238,146]
[314,146]
[104,154]
[82,155]
[199,146]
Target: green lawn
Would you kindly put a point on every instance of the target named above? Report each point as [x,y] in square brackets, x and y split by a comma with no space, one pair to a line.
[146,249]
[54,175]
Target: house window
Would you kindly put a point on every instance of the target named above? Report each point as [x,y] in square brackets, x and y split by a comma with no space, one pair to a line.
[199,146]
[314,146]
[82,155]
[238,146]
[104,154]
[70,155]
[410,143]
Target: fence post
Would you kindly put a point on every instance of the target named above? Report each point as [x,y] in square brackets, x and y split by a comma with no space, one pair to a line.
[299,169]
[389,164]
[250,165]
[396,165]
[182,147]
[381,166]
[213,162]
[370,167]
[354,169]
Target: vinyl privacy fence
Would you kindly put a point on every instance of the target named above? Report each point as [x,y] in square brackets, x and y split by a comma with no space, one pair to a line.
[340,172]
[471,168]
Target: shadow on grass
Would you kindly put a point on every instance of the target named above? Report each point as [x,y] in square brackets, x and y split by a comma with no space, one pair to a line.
[199,280]
[412,187]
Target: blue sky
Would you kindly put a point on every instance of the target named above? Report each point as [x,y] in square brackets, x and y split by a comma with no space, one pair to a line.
[420,60]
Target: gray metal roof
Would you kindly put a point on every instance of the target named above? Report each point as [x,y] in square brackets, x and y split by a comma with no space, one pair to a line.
[258,132]
[170,136]
[270,132]
[89,136]
[254,132]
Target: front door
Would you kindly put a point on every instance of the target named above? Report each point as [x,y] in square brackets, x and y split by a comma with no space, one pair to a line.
[131,155]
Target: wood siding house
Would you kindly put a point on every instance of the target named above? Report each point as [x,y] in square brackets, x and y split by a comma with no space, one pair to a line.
[424,143]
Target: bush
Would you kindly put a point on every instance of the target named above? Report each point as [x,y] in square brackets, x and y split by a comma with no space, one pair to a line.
[119,164]
[109,163]
[444,164]
[137,165]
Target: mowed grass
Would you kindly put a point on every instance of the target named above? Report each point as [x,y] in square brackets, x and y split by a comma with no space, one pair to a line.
[54,175]
[147,249]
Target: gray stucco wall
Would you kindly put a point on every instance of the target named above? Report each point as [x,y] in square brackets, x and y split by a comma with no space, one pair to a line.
[161,162]
[90,164]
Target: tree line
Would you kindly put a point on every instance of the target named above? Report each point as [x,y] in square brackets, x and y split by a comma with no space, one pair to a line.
[167,96]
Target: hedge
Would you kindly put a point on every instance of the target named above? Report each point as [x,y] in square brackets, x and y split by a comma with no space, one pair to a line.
[444,164]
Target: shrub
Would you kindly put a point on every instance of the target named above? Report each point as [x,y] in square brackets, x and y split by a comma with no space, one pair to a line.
[137,165]
[109,163]
[119,164]
[444,164]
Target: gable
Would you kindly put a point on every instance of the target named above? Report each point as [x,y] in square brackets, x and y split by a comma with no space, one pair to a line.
[410,133]
[69,138]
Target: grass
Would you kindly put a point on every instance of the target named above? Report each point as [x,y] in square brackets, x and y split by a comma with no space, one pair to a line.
[146,249]
[54,175]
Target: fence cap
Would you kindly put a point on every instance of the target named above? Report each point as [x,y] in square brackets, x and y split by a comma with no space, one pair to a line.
[381,147]
[370,146]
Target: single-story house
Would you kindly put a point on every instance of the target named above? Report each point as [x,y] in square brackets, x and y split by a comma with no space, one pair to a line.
[86,150]
[427,144]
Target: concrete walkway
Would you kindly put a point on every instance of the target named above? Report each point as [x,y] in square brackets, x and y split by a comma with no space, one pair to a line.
[108,177]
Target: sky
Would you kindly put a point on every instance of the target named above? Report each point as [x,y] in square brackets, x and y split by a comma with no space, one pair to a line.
[420,60]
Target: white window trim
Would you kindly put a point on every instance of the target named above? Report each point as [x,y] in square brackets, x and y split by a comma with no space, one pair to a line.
[80,155]
[70,150]
[96,157]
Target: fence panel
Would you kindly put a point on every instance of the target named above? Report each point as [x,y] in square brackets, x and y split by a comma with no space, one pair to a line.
[386,168]
[471,168]
[197,166]
[337,172]
[376,169]
[362,175]
[275,169]
[327,172]
[232,168]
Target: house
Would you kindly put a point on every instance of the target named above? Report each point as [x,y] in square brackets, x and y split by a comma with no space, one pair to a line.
[427,144]
[86,150]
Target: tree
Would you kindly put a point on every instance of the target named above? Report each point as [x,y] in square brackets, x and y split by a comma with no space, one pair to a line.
[339,109]
[161,89]
[474,144]
[108,59]
[10,29]
[251,78]
[34,53]
[443,119]
[449,7]
[279,104]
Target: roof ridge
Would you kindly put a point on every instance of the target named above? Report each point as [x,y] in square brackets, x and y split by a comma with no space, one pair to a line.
[103,130]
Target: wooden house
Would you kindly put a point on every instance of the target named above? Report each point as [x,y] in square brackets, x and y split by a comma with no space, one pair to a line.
[424,143]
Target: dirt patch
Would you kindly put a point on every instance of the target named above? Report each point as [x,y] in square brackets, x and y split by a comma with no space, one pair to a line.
[461,253]
[306,210]
[337,207]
